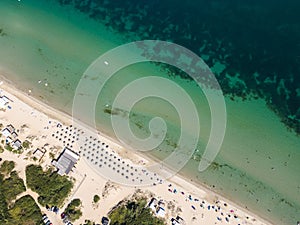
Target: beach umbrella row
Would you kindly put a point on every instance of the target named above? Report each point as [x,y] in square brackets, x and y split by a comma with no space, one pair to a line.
[101,156]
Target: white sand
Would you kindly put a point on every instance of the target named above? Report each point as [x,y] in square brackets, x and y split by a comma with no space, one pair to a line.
[36,115]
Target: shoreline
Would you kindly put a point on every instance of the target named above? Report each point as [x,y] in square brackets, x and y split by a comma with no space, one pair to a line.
[66,118]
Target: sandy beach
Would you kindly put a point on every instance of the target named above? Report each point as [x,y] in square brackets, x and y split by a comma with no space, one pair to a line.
[196,205]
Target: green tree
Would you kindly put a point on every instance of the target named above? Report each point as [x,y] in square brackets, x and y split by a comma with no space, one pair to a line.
[52,188]
[12,187]
[7,167]
[25,212]
[4,213]
[73,210]
[8,148]
[96,198]
[26,144]
[134,213]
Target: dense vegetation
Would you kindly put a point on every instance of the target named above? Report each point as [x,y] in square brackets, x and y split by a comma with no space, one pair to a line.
[6,167]
[23,211]
[134,213]
[26,211]
[12,187]
[8,147]
[4,214]
[73,210]
[51,187]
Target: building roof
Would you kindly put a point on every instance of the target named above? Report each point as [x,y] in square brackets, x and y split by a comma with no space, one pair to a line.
[8,140]
[179,219]
[161,203]
[17,144]
[11,128]
[14,134]
[175,222]
[5,98]
[65,161]
[39,153]
[3,101]
[6,132]
[161,212]
[152,204]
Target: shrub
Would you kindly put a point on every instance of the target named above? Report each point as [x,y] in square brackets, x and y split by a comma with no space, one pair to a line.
[26,144]
[134,213]
[96,198]
[8,148]
[73,210]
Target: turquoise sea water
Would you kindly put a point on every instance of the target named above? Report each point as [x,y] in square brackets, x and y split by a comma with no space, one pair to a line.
[258,164]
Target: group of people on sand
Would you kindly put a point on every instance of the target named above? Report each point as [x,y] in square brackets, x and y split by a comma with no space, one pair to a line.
[204,205]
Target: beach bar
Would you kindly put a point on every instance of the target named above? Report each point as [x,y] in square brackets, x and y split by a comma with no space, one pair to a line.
[65,161]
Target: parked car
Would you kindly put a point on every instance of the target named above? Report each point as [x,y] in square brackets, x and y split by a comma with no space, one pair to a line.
[63,215]
[55,209]
[65,220]
[105,220]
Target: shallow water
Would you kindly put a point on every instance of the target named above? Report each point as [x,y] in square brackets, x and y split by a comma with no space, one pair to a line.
[46,48]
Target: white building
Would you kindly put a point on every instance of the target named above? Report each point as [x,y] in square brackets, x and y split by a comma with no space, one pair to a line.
[17,144]
[38,153]
[3,102]
[177,221]
[65,161]
[160,212]
[11,128]
[6,132]
[8,140]
[153,204]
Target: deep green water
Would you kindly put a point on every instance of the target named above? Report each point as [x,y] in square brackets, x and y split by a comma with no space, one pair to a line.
[252,47]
